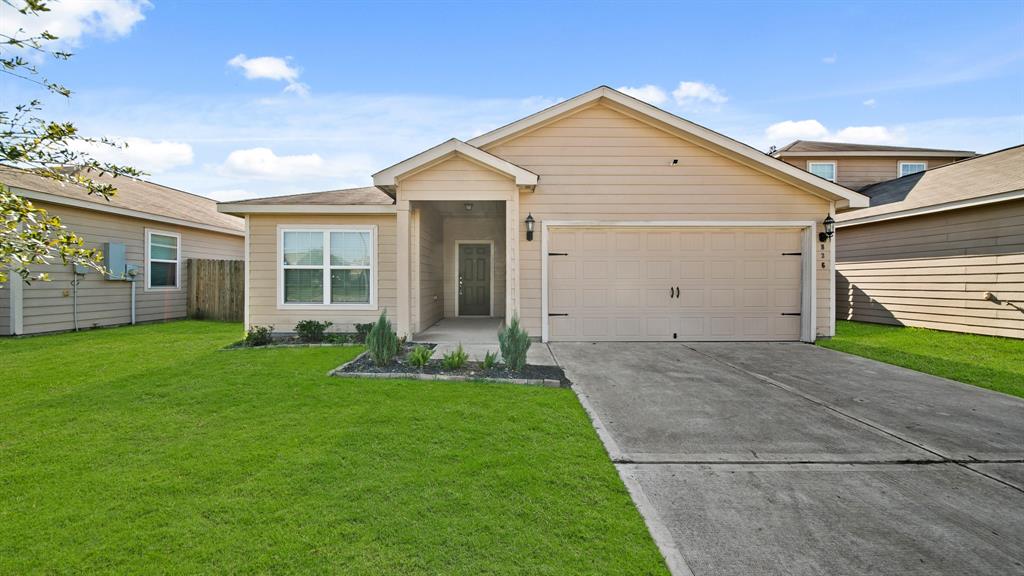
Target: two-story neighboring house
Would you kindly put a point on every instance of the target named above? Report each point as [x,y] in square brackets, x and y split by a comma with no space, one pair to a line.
[856,166]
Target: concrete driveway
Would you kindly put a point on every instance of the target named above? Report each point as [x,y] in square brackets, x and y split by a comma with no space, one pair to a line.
[784,458]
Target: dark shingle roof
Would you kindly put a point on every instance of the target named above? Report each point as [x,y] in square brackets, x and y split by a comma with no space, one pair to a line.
[369,195]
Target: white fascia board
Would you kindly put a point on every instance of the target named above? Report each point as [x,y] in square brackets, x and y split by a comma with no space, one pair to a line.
[389,176]
[54,199]
[812,184]
[306,208]
[945,207]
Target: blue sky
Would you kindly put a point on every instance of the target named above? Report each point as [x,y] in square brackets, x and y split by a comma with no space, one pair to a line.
[241,99]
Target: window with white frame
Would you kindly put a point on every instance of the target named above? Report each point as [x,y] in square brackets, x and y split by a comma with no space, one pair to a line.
[163,260]
[826,170]
[908,168]
[327,266]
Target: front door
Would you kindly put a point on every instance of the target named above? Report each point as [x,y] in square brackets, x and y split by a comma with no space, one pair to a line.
[474,279]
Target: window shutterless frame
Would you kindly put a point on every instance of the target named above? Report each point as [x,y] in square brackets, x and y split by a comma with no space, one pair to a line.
[835,168]
[148,272]
[899,167]
[326,267]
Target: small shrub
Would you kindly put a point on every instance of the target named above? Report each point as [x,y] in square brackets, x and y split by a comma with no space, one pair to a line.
[420,355]
[311,330]
[338,338]
[382,342]
[362,331]
[514,342]
[490,360]
[259,335]
[455,359]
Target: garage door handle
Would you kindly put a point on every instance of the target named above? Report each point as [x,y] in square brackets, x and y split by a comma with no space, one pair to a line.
[671,292]
[677,291]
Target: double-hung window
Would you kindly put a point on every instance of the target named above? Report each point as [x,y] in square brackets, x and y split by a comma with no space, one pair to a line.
[908,168]
[826,170]
[327,266]
[163,260]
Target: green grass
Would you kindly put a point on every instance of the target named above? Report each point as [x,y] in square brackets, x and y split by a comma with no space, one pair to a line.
[985,361]
[145,450]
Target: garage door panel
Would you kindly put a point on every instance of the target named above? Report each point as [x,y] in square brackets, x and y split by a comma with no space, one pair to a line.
[674,284]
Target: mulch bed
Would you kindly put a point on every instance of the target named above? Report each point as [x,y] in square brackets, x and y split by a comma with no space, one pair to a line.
[364,366]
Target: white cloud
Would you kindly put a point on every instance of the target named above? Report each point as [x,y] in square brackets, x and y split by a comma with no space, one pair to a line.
[649,93]
[864,135]
[263,163]
[783,132]
[152,156]
[71,21]
[870,102]
[697,94]
[271,68]
[830,59]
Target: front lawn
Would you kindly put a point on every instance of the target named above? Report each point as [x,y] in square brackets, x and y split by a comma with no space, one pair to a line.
[146,450]
[985,361]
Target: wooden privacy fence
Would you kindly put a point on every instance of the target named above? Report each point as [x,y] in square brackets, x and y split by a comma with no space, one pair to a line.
[216,289]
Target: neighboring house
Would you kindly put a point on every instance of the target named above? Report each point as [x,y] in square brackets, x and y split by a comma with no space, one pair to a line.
[858,165]
[145,228]
[939,249]
[645,227]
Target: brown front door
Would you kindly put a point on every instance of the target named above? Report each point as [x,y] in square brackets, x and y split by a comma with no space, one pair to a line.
[474,279]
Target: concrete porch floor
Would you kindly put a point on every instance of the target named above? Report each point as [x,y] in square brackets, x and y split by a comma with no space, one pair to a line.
[478,336]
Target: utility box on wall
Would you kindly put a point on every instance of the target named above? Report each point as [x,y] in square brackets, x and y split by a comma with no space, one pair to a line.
[114,260]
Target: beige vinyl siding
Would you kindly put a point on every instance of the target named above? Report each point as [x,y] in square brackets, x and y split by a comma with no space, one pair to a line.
[467,230]
[856,172]
[602,164]
[5,308]
[264,263]
[431,268]
[932,271]
[48,306]
[456,178]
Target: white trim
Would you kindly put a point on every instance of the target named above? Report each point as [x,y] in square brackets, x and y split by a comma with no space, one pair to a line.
[17,300]
[326,229]
[458,271]
[177,262]
[954,205]
[245,278]
[892,154]
[899,167]
[388,177]
[808,312]
[832,276]
[107,208]
[306,208]
[807,182]
[835,168]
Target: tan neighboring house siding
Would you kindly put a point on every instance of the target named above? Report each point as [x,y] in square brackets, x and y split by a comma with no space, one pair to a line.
[264,260]
[48,306]
[857,172]
[5,309]
[933,270]
[603,164]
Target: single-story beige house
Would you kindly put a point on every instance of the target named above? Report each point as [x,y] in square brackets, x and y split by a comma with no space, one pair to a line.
[857,166]
[939,249]
[599,218]
[146,232]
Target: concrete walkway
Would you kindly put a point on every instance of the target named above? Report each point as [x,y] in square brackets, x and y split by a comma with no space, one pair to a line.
[478,336]
[765,458]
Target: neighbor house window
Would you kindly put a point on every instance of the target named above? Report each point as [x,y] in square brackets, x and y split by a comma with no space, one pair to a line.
[163,260]
[327,266]
[826,170]
[908,168]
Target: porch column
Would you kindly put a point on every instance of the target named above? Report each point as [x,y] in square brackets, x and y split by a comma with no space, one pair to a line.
[512,256]
[402,315]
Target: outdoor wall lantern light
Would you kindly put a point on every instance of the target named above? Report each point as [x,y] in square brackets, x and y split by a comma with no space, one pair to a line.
[529,227]
[830,229]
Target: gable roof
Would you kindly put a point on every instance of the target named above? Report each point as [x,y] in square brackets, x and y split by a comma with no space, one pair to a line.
[685,129]
[995,177]
[366,200]
[814,147]
[134,197]
[387,177]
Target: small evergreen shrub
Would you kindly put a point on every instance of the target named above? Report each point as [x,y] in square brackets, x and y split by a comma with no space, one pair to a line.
[490,360]
[420,355]
[362,331]
[259,335]
[514,342]
[311,331]
[455,359]
[381,342]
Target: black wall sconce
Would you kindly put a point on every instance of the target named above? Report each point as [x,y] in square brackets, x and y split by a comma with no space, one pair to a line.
[830,229]
[529,227]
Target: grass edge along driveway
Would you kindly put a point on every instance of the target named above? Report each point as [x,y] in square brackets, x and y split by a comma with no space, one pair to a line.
[146,450]
[985,361]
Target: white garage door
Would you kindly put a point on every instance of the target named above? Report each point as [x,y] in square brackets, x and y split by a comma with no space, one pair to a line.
[627,284]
